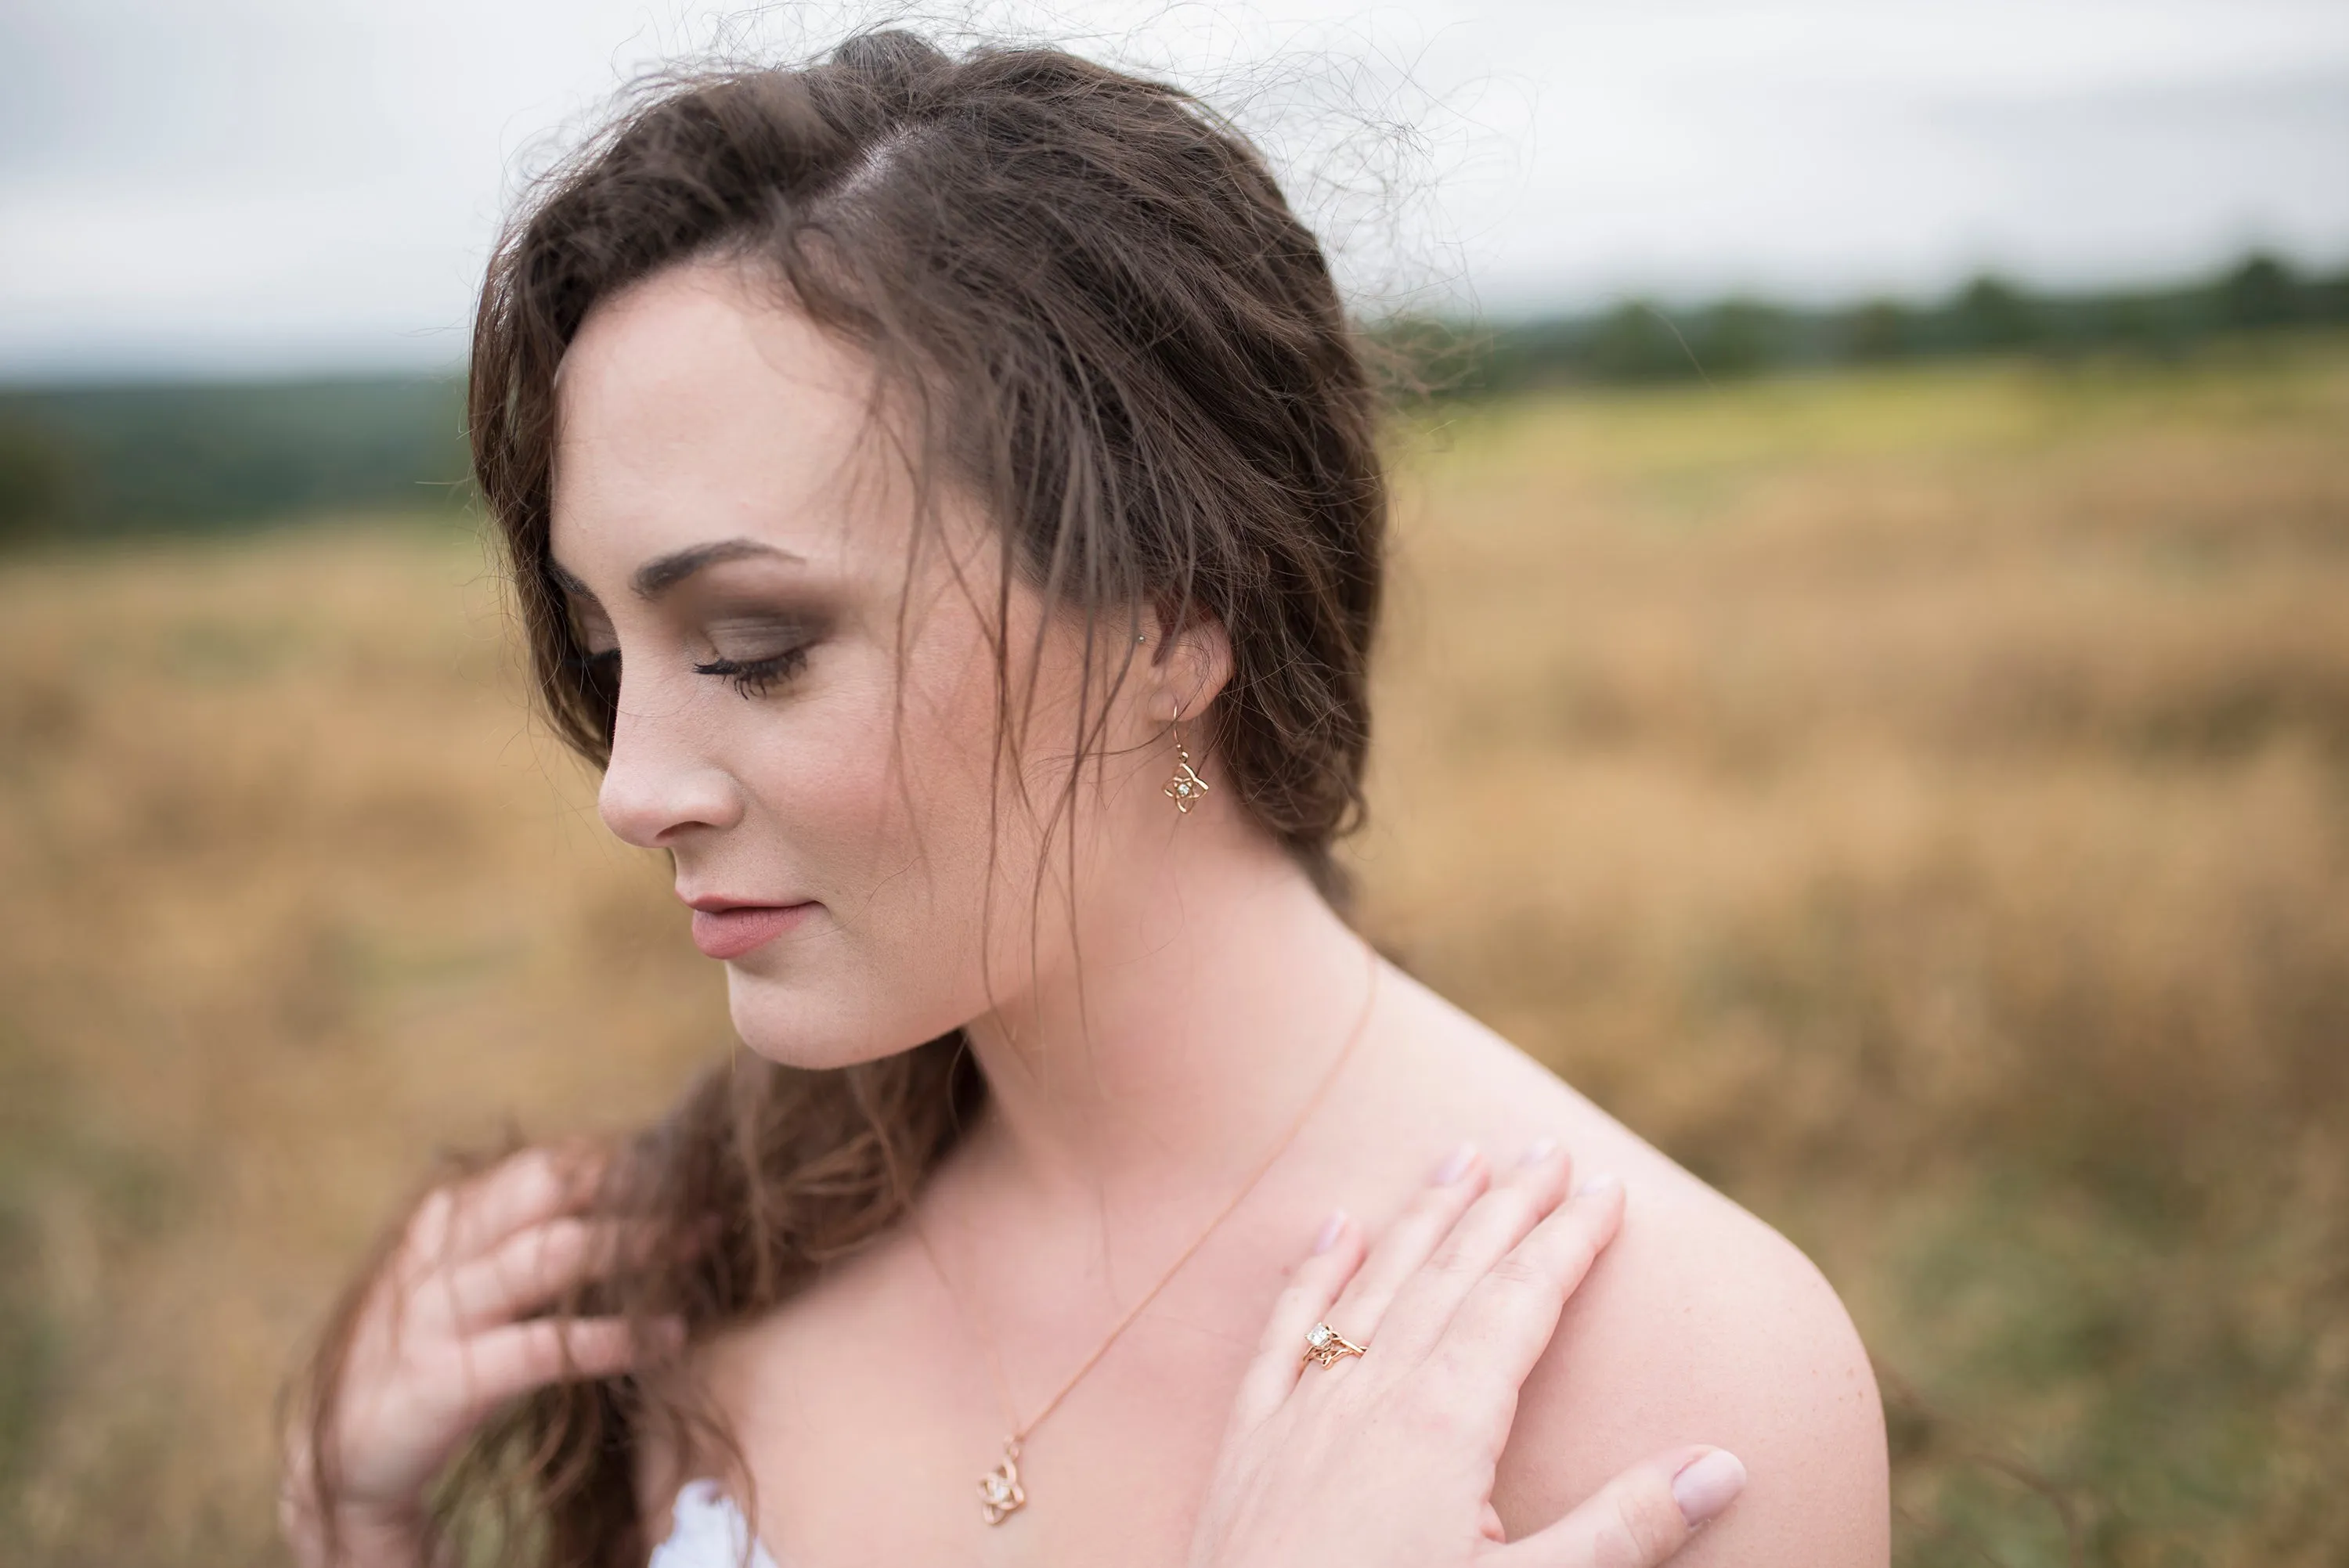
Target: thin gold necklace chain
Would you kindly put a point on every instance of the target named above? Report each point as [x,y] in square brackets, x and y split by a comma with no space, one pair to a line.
[1019,1431]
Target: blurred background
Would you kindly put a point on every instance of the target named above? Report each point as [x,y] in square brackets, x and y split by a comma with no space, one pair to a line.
[1868,699]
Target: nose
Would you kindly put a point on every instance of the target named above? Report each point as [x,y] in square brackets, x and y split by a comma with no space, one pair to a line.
[657,788]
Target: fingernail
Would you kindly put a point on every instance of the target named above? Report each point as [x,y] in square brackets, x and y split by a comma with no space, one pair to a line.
[1539,1150]
[1707,1484]
[1602,1182]
[1331,1228]
[1455,1165]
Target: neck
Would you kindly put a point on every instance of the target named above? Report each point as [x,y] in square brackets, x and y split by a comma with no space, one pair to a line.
[1210,996]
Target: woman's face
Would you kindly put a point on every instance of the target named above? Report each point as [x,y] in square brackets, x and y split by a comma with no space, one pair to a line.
[806,725]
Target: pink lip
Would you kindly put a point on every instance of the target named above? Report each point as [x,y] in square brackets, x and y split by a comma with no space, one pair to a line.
[729,931]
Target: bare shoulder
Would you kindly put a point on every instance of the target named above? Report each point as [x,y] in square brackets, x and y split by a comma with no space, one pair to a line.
[1700,1324]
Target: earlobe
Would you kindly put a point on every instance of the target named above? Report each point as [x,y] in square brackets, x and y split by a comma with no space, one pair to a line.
[1191,664]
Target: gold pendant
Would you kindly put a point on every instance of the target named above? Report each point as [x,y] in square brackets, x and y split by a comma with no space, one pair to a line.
[1000,1495]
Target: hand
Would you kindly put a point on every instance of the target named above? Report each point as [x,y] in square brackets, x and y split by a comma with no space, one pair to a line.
[441,1341]
[1386,1460]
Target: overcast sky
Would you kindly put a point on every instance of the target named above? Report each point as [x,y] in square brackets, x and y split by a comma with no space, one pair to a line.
[256,186]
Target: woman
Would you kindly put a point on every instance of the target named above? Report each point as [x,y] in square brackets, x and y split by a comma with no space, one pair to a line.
[943,497]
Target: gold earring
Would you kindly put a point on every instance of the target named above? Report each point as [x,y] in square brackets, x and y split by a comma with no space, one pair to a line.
[1184,787]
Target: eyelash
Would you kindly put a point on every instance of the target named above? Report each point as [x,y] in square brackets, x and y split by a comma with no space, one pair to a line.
[756,677]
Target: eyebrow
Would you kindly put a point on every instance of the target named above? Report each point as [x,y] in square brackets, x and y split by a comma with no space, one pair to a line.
[663,572]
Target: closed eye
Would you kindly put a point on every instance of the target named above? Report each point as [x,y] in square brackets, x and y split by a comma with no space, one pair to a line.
[756,677]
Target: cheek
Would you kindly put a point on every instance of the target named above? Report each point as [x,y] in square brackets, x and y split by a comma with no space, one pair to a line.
[877,801]
[883,810]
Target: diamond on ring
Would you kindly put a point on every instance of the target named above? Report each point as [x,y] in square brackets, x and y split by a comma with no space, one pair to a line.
[1327,1346]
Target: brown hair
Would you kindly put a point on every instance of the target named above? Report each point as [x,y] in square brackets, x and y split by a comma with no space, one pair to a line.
[1109,328]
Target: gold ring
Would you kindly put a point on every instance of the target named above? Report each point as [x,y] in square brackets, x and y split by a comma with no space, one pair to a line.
[1327,1346]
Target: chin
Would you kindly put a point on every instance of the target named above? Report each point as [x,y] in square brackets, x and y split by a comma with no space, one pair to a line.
[834,1015]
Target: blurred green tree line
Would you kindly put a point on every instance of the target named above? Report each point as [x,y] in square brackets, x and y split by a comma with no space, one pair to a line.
[102,460]
[1643,340]
[94,461]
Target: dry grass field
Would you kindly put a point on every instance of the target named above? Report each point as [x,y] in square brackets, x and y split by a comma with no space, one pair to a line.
[1920,802]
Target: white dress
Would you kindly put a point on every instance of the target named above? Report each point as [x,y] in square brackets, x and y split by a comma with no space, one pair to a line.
[707,1531]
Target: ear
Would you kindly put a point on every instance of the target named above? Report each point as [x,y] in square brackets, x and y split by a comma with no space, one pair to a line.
[1188,665]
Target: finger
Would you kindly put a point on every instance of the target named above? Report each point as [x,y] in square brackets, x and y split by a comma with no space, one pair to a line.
[521,1357]
[1642,1518]
[1408,1241]
[1272,1374]
[1510,1314]
[1493,1225]
[463,1221]
[533,1266]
